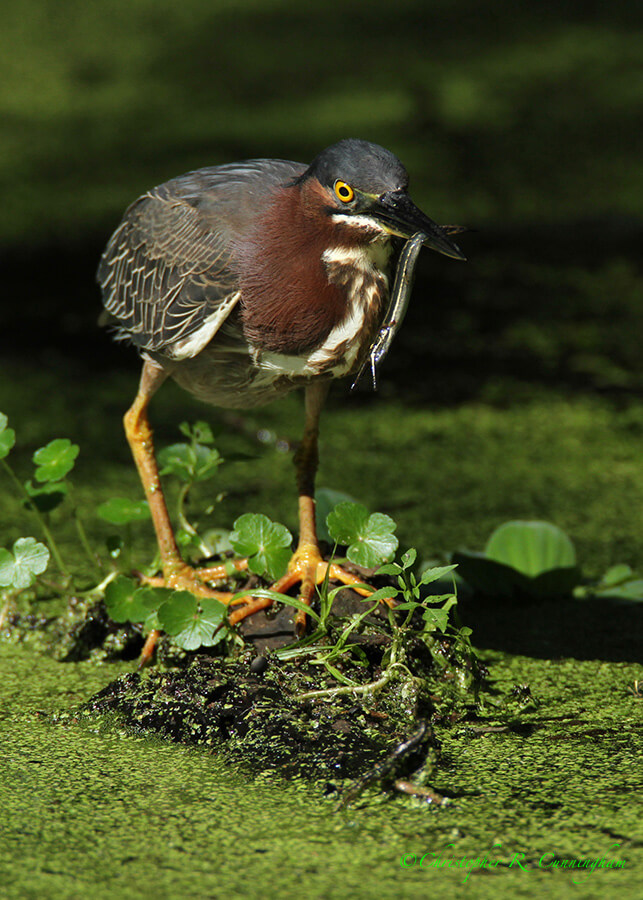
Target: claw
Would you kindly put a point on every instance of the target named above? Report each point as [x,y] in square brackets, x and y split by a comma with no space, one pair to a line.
[307,567]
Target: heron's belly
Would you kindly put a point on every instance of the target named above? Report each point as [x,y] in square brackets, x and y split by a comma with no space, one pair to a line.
[229,373]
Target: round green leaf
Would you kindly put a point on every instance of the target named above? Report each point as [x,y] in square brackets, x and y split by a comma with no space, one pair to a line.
[7,437]
[325,502]
[191,622]
[122,510]
[32,558]
[346,522]
[127,602]
[373,548]
[19,569]
[531,547]
[55,460]
[369,538]
[267,544]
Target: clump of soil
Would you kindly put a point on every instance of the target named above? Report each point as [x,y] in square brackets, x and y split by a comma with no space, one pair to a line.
[263,712]
[250,709]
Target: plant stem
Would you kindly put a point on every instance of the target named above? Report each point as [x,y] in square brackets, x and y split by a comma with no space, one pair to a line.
[99,588]
[184,490]
[41,519]
[370,688]
[82,534]
[184,522]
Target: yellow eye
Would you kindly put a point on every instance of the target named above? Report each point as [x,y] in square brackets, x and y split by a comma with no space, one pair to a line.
[344,191]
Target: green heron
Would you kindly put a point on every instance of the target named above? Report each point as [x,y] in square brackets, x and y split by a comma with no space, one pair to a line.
[247,280]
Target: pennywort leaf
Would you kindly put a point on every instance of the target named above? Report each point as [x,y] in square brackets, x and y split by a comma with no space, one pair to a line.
[127,602]
[368,536]
[18,569]
[267,544]
[192,621]
[326,500]
[55,460]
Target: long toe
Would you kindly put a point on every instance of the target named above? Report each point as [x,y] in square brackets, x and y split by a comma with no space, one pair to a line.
[308,568]
[183,577]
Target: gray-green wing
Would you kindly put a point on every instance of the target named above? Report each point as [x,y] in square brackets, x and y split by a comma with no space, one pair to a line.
[166,273]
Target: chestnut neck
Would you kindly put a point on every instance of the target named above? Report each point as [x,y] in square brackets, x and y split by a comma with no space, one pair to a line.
[287,303]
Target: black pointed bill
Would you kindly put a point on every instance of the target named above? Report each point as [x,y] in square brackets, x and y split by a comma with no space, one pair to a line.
[400,216]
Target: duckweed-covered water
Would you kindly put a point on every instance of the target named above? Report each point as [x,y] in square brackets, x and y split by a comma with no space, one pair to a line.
[104,813]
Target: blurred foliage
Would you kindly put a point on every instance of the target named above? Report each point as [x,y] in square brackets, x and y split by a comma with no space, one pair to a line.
[522,121]
[522,316]
[500,111]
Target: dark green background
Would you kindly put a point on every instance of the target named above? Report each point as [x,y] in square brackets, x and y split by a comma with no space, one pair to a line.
[522,121]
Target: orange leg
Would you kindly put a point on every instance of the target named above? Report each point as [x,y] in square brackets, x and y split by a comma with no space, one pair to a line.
[176,573]
[306,565]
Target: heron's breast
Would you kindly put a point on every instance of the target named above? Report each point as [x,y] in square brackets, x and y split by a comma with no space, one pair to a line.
[359,275]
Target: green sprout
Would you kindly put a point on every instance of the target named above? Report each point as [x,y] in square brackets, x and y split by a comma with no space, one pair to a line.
[191,463]
[54,462]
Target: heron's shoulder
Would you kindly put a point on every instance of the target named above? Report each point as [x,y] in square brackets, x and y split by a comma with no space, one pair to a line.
[252,181]
[225,199]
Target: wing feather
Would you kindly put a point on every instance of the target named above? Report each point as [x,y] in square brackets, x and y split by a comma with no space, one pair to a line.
[166,273]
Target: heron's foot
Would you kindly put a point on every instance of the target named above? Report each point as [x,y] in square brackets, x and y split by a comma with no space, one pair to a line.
[306,567]
[309,569]
[180,576]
